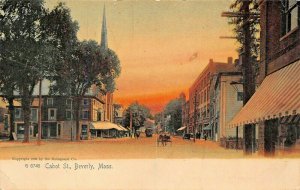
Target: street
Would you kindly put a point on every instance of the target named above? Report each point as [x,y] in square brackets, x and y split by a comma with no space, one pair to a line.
[125,148]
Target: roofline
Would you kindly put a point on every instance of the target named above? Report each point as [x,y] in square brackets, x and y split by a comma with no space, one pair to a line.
[43,96]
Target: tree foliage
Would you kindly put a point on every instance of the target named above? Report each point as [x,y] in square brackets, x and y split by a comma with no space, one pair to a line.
[174,110]
[139,115]
[36,43]
[25,55]
[240,22]
[89,66]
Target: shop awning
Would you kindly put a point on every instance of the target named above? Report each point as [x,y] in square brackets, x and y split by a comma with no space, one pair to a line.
[277,96]
[104,125]
[181,128]
[208,127]
[123,128]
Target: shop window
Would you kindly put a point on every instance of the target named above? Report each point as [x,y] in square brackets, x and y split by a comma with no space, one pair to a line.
[20,129]
[289,15]
[58,129]
[84,130]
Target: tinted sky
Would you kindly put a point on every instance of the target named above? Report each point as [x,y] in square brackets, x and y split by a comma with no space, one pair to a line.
[162,45]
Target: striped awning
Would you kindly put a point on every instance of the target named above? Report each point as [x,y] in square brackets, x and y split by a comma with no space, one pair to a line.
[277,96]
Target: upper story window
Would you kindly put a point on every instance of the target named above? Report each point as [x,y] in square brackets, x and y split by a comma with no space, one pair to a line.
[50,101]
[68,101]
[68,114]
[18,113]
[85,114]
[289,15]
[240,96]
[51,114]
[85,102]
[34,114]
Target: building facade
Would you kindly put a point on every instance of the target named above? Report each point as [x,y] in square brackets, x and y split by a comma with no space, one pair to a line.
[199,96]
[275,106]
[58,121]
[226,100]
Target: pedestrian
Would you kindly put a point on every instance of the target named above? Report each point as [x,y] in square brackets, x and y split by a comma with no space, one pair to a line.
[205,136]
[137,134]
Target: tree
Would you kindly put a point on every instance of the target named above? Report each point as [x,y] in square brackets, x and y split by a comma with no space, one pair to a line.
[174,110]
[248,17]
[139,115]
[246,21]
[25,56]
[88,66]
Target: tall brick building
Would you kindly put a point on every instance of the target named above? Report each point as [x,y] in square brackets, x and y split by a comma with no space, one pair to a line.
[275,106]
[199,98]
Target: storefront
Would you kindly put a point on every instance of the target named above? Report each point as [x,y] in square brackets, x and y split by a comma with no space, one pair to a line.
[104,129]
[50,130]
[275,109]
[20,130]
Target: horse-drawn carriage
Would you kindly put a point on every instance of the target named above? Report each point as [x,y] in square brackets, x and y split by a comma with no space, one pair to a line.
[164,138]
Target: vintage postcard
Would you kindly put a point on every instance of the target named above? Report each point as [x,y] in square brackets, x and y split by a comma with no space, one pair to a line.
[151,94]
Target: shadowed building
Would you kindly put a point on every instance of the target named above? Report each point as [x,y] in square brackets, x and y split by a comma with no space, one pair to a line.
[275,106]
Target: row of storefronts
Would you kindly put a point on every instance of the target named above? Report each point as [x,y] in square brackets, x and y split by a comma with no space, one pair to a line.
[270,119]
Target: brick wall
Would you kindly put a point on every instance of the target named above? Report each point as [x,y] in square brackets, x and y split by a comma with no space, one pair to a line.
[277,51]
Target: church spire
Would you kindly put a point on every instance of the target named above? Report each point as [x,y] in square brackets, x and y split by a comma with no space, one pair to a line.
[104,31]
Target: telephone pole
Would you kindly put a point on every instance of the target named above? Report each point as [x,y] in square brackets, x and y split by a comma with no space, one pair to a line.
[248,77]
[195,115]
[247,69]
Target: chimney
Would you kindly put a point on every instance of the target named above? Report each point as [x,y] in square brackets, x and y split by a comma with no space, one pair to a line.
[230,60]
[211,60]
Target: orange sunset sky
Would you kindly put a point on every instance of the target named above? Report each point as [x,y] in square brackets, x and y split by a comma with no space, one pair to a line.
[162,45]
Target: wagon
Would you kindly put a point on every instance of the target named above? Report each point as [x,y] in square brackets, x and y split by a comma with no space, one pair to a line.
[164,139]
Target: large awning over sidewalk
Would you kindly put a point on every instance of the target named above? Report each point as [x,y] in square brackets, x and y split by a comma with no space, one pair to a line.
[104,125]
[277,96]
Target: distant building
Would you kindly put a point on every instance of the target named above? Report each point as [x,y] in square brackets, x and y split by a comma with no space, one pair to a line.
[118,114]
[58,116]
[5,117]
[199,99]
[226,99]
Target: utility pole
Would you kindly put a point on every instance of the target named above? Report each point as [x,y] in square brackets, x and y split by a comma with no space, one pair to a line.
[195,115]
[248,78]
[130,122]
[247,69]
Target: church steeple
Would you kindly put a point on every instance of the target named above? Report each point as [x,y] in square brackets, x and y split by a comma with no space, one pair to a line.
[104,44]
